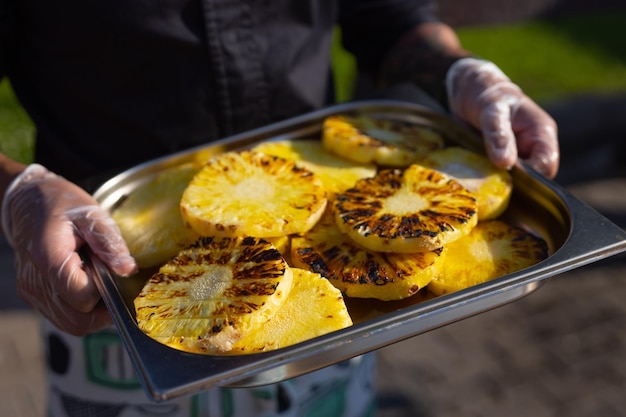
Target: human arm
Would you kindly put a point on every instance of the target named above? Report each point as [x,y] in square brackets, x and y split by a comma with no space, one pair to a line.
[477,92]
[47,220]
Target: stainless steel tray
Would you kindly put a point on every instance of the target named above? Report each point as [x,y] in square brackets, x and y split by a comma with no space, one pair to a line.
[576,235]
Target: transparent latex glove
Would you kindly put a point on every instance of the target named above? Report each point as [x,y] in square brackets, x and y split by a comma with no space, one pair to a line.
[47,219]
[513,126]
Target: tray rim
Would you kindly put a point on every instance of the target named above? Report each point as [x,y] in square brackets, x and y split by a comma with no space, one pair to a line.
[273,366]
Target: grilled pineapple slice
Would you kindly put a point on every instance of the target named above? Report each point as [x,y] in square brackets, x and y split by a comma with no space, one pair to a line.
[252,194]
[314,307]
[492,249]
[149,218]
[491,185]
[418,209]
[386,142]
[208,296]
[281,243]
[359,272]
[337,174]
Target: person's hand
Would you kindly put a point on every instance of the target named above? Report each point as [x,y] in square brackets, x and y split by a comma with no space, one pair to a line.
[513,126]
[47,219]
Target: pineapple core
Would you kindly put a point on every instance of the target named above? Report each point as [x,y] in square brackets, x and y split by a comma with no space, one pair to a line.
[211,283]
[255,189]
[405,203]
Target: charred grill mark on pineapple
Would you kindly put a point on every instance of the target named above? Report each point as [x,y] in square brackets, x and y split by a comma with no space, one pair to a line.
[358,247]
[492,249]
[491,185]
[314,261]
[256,288]
[259,195]
[357,271]
[211,292]
[406,211]
[387,142]
[523,246]
[337,173]
[314,307]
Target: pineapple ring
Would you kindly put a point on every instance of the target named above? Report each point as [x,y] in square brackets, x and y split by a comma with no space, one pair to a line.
[418,209]
[314,307]
[492,249]
[211,294]
[386,142]
[359,272]
[252,194]
[492,186]
[337,173]
[149,218]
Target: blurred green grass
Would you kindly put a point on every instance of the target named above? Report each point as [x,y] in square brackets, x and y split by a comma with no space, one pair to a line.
[554,59]
[550,60]
[16,128]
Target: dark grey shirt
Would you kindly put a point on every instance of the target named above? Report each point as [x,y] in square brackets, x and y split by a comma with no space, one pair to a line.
[112,83]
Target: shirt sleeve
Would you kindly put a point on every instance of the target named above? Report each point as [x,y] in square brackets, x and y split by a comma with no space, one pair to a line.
[370,27]
[6,23]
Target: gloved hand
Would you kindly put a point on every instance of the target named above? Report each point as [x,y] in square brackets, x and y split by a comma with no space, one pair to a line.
[513,126]
[46,219]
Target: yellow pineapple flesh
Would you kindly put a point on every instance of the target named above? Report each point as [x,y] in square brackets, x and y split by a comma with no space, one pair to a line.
[211,294]
[404,211]
[360,272]
[337,173]
[282,244]
[252,194]
[491,250]
[149,217]
[314,308]
[491,185]
[385,142]
[327,224]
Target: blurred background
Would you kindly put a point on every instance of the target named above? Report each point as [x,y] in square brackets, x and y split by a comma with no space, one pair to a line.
[557,352]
